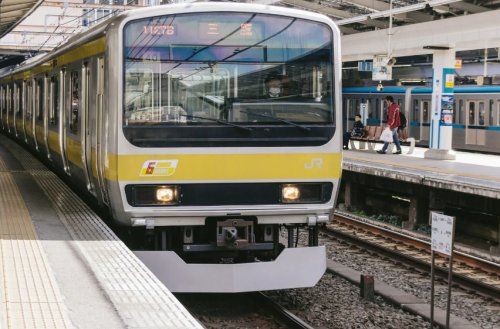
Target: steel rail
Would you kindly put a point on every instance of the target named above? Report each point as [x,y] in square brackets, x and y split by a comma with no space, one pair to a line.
[419,244]
[289,319]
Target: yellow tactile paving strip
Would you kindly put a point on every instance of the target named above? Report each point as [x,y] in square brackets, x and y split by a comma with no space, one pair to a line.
[29,296]
[140,299]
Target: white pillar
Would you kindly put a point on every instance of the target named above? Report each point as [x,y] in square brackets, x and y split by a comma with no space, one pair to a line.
[441,129]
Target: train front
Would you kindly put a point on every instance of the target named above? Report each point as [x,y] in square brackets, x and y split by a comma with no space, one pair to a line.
[230,144]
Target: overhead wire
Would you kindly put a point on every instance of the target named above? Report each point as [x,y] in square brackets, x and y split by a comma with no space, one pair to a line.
[77,27]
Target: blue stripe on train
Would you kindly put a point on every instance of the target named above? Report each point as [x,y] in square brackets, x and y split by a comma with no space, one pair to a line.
[419,90]
[459,126]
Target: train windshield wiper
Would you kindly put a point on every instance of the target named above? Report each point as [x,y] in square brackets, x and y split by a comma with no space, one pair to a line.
[216,120]
[291,123]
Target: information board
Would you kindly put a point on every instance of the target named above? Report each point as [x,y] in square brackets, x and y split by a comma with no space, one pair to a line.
[442,233]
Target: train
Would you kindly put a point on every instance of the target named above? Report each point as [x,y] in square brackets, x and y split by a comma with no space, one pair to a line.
[211,132]
[476,116]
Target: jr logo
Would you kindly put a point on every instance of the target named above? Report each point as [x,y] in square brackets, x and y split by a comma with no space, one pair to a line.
[315,162]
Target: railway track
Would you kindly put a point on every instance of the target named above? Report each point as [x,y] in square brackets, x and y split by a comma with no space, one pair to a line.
[244,310]
[470,272]
[287,317]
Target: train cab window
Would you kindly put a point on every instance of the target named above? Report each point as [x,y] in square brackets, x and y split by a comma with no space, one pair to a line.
[481,114]
[40,101]
[425,111]
[75,101]
[472,113]
[491,113]
[207,89]
[54,100]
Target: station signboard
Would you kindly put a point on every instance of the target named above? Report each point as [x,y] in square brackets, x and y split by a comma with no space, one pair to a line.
[442,233]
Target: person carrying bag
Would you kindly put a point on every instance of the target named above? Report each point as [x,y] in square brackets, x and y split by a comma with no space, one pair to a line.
[393,122]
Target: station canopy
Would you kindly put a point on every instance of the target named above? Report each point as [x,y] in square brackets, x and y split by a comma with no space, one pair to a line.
[355,16]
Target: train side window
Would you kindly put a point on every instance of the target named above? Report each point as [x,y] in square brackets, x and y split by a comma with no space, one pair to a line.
[11,99]
[29,101]
[425,110]
[40,99]
[482,113]
[75,101]
[19,100]
[460,111]
[54,100]
[491,113]
[472,112]
[416,111]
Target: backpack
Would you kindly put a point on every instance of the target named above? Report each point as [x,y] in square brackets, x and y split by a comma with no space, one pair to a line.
[402,120]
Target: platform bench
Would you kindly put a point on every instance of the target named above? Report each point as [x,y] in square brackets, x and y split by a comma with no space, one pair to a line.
[371,136]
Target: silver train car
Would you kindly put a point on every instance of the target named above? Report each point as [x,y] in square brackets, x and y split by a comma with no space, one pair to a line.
[210,131]
[476,119]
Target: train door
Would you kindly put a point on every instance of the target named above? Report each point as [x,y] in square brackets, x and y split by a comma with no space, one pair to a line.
[470,121]
[19,110]
[39,117]
[62,121]
[1,108]
[23,102]
[45,112]
[54,113]
[345,106]
[475,122]
[425,105]
[87,129]
[101,128]
[15,106]
[9,107]
[353,110]
[30,112]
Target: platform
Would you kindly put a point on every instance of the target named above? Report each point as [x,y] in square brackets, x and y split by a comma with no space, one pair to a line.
[473,173]
[61,266]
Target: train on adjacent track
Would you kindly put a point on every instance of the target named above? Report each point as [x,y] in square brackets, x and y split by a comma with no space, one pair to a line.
[476,117]
[167,117]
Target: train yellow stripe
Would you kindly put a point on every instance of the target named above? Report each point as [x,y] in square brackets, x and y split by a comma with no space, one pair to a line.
[54,142]
[221,167]
[74,151]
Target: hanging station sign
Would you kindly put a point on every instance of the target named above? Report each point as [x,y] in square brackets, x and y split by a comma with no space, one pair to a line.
[381,69]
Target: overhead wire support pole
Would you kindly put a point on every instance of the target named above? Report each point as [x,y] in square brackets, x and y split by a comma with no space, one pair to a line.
[389,45]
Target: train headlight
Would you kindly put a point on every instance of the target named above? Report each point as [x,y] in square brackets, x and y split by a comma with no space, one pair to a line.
[166,194]
[290,193]
[306,192]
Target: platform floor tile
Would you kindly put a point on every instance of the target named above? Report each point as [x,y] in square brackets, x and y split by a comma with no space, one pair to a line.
[29,295]
[141,300]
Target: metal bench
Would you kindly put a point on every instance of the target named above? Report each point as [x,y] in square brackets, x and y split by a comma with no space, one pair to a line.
[371,137]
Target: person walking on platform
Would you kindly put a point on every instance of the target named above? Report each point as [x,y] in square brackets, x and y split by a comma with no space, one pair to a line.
[357,131]
[393,122]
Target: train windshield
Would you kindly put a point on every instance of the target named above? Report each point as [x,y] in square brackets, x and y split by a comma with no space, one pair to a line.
[228,79]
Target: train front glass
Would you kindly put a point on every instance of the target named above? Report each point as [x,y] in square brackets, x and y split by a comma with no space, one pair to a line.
[228,79]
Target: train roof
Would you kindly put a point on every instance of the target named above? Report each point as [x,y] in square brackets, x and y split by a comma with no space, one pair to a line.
[100,29]
[419,90]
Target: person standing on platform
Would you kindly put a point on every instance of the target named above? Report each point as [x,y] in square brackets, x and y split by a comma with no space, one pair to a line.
[357,131]
[393,122]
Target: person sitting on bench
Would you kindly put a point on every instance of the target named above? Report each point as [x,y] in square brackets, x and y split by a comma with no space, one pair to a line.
[357,131]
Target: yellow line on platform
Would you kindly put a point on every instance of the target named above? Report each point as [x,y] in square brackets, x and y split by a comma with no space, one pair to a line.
[29,295]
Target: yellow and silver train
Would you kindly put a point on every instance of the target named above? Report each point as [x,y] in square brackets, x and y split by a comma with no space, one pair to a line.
[211,130]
